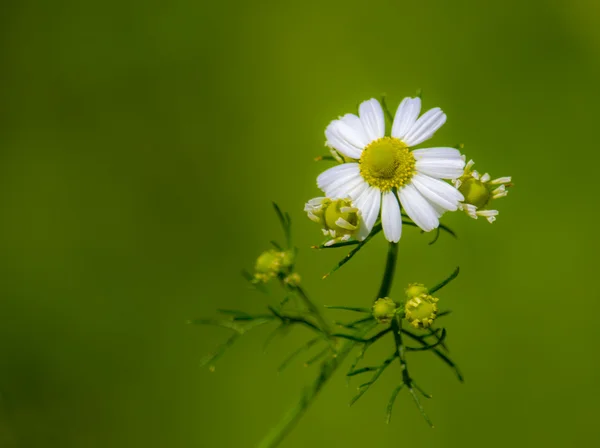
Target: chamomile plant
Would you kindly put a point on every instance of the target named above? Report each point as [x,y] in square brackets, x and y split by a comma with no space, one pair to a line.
[381,181]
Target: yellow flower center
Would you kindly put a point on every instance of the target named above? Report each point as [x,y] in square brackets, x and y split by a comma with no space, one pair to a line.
[475,192]
[387,163]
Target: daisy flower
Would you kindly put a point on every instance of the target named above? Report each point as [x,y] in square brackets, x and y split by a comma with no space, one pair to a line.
[385,169]
[480,191]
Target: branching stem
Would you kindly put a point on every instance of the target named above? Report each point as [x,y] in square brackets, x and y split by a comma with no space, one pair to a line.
[328,367]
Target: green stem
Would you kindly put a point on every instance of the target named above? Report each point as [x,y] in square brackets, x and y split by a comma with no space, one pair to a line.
[314,310]
[328,368]
[293,416]
[388,274]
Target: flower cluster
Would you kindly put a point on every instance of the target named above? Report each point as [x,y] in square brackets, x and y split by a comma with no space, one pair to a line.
[379,176]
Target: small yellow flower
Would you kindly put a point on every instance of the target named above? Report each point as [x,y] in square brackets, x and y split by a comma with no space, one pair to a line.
[420,311]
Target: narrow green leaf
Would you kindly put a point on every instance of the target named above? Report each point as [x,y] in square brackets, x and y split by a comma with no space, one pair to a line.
[352,325]
[354,251]
[428,347]
[390,406]
[286,362]
[366,386]
[435,238]
[425,394]
[443,227]
[326,157]
[210,359]
[281,330]
[418,403]
[336,245]
[362,370]
[446,281]
[229,324]
[284,220]
[348,308]
[438,353]
[317,357]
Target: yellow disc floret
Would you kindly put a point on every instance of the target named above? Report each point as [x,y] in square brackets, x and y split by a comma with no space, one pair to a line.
[475,192]
[387,163]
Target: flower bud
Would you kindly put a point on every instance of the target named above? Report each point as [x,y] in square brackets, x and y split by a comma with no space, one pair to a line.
[384,310]
[415,289]
[272,263]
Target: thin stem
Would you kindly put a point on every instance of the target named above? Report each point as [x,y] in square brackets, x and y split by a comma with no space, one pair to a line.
[293,416]
[388,274]
[314,310]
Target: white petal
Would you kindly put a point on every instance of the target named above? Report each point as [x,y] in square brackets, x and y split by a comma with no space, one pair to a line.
[501,180]
[425,127]
[344,190]
[347,135]
[437,191]
[406,116]
[440,153]
[369,203]
[418,208]
[355,192]
[371,115]
[441,168]
[336,176]
[390,217]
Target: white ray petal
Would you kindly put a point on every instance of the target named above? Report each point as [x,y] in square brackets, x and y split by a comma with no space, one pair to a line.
[336,176]
[369,203]
[390,217]
[438,192]
[371,115]
[425,127]
[437,153]
[344,190]
[418,208]
[347,135]
[441,168]
[406,116]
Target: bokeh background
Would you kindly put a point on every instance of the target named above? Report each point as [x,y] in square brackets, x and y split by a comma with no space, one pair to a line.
[141,144]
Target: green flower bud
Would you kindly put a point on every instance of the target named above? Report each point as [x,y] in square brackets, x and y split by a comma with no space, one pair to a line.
[384,310]
[421,311]
[415,289]
[271,263]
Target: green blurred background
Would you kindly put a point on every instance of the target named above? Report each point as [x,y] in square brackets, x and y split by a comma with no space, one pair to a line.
[141,144]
